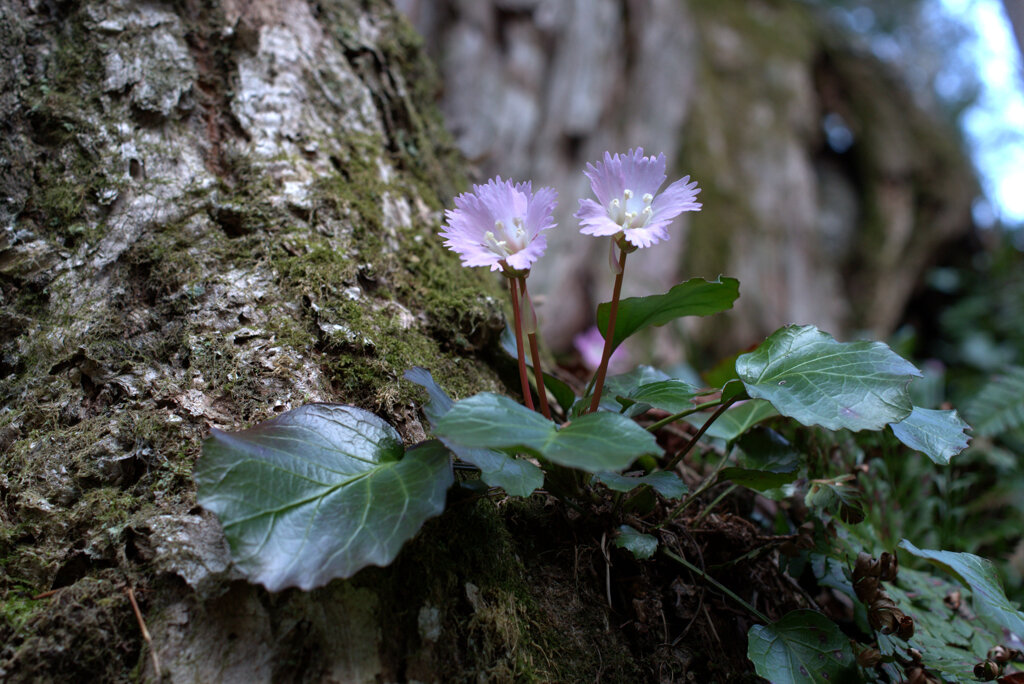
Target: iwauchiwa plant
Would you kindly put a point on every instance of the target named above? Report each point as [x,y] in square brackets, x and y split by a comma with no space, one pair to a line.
[324,490]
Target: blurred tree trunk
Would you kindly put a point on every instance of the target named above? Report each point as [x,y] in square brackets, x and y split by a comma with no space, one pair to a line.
[1015,13]
[827,189]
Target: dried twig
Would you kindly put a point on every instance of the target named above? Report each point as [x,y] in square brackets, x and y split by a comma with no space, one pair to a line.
[145,632]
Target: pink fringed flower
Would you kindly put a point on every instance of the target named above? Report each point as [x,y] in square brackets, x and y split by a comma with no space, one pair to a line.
[628,200]
[500,225]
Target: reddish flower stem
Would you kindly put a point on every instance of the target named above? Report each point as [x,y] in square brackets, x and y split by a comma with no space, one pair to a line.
[613,311]
[538,374]
[518,321]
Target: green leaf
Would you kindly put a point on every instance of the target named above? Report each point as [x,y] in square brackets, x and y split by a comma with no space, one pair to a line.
[624,383]
[722,372]
[562,392]
[804,646]
[673,396]
[600,441]
[734,389]
[768,461]
[979,575]
[318,493]
[593,442]
[695,297]
[810,377]
[621,386]
[839,496]
[640,545]
[950,642]
[999,406]
[737,420]
[939,435]
[665,483]
[516,476]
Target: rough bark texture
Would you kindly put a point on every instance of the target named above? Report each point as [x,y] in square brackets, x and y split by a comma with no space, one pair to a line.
[742,96]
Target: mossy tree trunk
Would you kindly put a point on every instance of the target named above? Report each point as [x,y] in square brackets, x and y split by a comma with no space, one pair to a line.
[213,212]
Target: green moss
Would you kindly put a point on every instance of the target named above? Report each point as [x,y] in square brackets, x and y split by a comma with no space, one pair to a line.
[16,611]
[61,109]
[776,28]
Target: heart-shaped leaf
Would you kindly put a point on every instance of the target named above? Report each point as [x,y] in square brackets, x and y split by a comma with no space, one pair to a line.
[939,435]
[979,575]
[622,385]
[695,297]
[640,545]
[768,461]
[318,493]
[673,396]
[516,476]
[804,646]
[810,377]
[593,442]
[665,483]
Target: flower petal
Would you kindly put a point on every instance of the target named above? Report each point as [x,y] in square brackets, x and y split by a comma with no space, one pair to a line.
[679,197]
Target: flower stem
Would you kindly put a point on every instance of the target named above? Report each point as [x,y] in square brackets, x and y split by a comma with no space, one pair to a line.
[538,374]
[518,321]
[613,311]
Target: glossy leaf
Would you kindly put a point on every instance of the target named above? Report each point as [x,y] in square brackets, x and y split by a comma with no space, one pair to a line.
[809,376]
[593,442]
[516,476]
[318,493]
[768,461]
[979,575]
[695,297]
[622,385]
[939,435]
[804,646]
[673,396]
[640,545]
[665,483]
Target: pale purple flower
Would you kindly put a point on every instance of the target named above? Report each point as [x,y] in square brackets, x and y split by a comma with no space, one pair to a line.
[590,345]
[500,225]
[627,187]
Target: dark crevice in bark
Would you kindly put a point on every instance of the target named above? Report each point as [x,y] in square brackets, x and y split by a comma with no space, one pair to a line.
[216,67]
